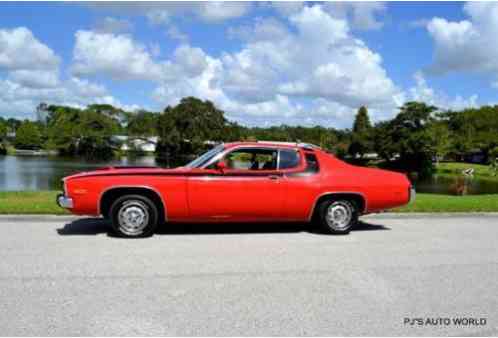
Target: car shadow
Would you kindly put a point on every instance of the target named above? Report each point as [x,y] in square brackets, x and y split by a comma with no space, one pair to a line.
[95,226]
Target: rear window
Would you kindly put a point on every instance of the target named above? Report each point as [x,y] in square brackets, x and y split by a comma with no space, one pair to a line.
[312,165]
[288,159]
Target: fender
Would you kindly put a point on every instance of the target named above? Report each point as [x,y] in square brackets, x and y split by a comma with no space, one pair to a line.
[336,193]
[133,187]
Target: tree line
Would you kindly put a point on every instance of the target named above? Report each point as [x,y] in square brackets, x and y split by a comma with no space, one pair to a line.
[412,140]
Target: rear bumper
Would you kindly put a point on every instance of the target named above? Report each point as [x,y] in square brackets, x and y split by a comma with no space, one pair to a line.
[412,195]
[64,201]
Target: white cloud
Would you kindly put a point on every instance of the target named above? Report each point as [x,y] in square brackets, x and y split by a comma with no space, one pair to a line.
[287,8]
[20,101]
[263,29]
[113,25]
[118,56]
[321,60]
[19,49]
[32,76]
[216,11]
[162,12]
[35,78]
[316,71]
[363,15]
[424,93]
[191,62]
[122,58]
[467,45]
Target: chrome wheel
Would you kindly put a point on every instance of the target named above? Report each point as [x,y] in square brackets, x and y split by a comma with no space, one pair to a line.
[133,217]
[339,216]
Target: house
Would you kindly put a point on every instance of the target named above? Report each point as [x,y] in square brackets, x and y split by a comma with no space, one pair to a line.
[136,143]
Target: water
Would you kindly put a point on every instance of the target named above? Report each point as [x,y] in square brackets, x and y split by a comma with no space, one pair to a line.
[19,173]
[456,185]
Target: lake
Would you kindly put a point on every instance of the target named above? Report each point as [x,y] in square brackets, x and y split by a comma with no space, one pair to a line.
[19,173]
[451,184]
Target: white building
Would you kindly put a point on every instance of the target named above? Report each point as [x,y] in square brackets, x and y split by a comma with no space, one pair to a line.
[145,144]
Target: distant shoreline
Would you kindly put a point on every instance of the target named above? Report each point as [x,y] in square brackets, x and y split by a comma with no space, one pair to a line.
[27,152]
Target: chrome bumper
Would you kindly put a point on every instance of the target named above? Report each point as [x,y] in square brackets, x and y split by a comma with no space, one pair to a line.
[64,201]
[412,195]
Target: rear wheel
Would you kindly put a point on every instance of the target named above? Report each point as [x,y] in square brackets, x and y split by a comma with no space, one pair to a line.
[134,216]
[337,216]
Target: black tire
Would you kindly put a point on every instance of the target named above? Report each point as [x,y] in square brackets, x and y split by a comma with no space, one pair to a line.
[134,216]
[344,207]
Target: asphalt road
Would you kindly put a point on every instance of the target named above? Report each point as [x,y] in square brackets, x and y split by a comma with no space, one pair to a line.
[64,277]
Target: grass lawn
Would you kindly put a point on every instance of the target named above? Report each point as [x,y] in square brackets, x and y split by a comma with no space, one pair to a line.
[446,203]
[43,202]
[29,202]
[480,170]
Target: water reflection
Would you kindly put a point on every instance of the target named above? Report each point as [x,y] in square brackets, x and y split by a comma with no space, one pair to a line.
[44,173]
[456,185]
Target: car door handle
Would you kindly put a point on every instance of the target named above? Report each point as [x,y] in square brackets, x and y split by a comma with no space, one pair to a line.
[273,177]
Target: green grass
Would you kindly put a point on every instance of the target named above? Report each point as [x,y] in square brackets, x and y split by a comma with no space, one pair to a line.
[480,170]
[30,202]
[43,202]
[446,203]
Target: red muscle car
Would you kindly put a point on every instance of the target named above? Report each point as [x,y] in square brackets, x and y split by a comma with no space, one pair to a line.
[238,182]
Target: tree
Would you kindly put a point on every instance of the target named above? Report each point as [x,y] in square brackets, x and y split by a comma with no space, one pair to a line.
[440,138]
[13,124]
[328,141]
[3,129]
[473,129]
[85,132]
[362,121]
[3,135]
[361,138]
[28,136]
[408,137]
[143,123]
[493,161]
[184,129]
[383,143]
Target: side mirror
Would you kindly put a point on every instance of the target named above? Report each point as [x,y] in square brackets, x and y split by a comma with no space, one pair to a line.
[221,166]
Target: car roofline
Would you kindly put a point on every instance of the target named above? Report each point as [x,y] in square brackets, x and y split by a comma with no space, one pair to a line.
[302,145]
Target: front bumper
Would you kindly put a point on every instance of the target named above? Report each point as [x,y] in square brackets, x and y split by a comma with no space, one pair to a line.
[412,195]
[64,201]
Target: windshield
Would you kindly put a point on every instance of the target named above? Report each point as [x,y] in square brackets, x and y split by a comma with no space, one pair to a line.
[206,157]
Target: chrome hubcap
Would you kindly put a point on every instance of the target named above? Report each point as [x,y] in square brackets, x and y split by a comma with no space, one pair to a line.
[133,217]
[339,216]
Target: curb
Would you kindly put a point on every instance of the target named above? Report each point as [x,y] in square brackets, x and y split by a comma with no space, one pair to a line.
[39,218]
[391,215]
[432,214]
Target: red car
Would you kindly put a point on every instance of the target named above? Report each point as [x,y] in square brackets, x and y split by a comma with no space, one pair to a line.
[238,182]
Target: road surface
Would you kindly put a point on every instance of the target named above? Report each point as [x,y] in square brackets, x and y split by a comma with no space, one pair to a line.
[67,276]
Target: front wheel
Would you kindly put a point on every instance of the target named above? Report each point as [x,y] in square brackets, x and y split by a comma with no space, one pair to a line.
[134,216]
[337,216]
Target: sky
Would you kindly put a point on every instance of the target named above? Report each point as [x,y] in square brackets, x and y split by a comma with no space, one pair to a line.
[264,63]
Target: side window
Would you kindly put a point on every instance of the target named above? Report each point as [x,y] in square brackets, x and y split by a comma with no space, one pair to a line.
[288,159]
[252,159]
[312,165]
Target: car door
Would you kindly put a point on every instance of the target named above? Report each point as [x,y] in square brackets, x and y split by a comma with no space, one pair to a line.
[249,188]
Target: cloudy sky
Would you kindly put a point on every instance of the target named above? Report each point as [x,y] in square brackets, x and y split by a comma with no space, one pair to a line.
[263,63]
